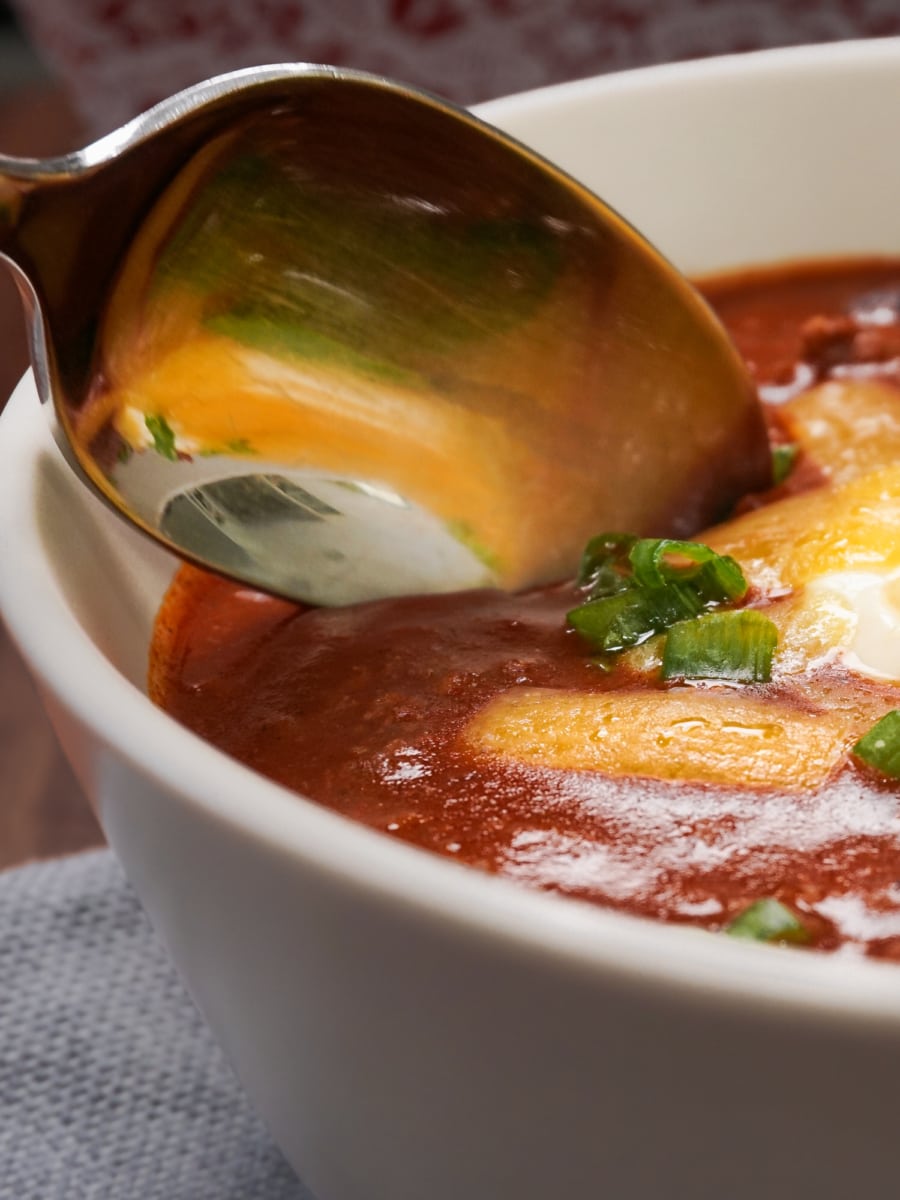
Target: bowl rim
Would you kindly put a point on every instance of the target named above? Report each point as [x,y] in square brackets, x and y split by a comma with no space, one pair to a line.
[602,944]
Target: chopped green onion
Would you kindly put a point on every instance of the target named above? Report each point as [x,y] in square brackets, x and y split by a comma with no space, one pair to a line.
[633,615]
[606,556]
[721,645]
[658,562]
[163,436]
[671,604]
[638,587]
[783,460]
[614,622]
[768,921]
[880,747]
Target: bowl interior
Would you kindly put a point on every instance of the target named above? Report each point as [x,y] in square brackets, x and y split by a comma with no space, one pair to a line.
[735,161]
[111,577]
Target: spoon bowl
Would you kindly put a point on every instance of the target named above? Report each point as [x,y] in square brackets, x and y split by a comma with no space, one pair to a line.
[339,339]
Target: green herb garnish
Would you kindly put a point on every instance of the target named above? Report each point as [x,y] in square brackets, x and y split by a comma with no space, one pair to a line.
[638,587]
[662,562]
[721,645]
[783,460]
[605,564]
[163,436]
[632,616]
[768,921]
[880,747]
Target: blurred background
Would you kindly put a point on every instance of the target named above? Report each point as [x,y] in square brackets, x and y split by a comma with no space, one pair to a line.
[42,811]
[71,70]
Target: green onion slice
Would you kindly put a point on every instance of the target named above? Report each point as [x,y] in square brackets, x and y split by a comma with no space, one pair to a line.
[658,562]
[880,747]
[638,587]
[605,561]
[631,616]
[721,645]
[163,436]
[783,460]
[768,921]
[615,622]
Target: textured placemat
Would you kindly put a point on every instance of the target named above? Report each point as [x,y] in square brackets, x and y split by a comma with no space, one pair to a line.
[111,1087]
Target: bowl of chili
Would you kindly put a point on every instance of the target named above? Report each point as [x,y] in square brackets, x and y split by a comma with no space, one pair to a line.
[410,1026]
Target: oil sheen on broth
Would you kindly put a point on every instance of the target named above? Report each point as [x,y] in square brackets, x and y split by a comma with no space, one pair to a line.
[480,726]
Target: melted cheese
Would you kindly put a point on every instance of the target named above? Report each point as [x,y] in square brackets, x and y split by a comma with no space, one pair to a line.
[851,527]
[849,427]
[707,735]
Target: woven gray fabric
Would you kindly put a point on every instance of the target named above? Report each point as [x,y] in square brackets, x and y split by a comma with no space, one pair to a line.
[111,1087]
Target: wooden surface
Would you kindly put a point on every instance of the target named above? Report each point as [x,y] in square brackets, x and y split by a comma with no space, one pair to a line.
[42,810]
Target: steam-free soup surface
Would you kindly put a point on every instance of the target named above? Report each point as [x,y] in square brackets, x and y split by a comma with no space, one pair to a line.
[480,726]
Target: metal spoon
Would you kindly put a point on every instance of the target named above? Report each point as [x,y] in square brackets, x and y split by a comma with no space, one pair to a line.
[339,339]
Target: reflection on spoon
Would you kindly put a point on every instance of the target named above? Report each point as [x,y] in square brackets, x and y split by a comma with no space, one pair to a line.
[305,279]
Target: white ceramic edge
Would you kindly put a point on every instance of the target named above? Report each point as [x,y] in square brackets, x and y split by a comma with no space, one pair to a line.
[579,936]
[679,89]
[747,64]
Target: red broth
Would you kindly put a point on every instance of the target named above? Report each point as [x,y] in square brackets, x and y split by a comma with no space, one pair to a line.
[366,709]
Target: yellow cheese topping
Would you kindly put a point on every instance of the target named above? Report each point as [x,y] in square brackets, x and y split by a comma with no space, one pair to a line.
[708,736]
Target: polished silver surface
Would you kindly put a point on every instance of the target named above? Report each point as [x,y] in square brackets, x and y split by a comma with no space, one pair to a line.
[339,339]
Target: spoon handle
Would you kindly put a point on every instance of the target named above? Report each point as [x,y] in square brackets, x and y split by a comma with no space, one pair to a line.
[21,175]
[24,171]
[21,178]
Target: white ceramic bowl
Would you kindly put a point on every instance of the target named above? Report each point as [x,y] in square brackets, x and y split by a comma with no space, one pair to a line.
[413,1030]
